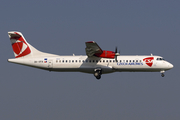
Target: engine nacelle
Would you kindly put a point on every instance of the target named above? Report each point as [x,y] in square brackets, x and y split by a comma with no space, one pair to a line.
[106,54]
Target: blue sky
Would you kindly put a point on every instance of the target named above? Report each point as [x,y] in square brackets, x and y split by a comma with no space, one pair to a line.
[62,27]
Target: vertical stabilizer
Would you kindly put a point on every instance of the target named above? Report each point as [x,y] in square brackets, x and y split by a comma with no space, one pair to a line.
[22,48]
[19,44]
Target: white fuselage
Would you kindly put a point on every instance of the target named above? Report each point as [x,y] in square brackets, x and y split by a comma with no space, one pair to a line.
[97,61]
[88,65]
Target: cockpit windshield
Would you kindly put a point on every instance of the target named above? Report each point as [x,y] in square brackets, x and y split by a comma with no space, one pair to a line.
[160,59]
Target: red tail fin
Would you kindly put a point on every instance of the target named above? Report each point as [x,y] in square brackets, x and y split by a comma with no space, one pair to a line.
[19,44]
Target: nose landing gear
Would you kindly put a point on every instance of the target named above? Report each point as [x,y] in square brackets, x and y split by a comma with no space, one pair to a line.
[162,73]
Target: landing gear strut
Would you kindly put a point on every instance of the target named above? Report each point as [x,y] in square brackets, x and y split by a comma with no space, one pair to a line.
[162,73]
[97,73]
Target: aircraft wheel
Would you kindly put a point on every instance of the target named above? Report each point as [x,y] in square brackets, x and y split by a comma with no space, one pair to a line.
[162,74]
[96,74]
[98,77]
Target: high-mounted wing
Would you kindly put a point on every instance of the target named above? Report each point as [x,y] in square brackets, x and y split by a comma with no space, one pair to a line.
[92,49]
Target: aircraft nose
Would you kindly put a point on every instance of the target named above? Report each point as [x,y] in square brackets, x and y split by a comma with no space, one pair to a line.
[170,65]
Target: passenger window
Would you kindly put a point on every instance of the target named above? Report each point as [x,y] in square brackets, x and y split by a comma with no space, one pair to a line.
[109,60]
[136,60]
[129,60]
[89,60]
[106,60]
[103,60]
[72,60]
[76,60]
[79,60]
[126,60]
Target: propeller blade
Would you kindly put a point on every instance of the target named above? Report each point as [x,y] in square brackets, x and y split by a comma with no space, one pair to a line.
[116,54]
[116,59]
[116,50]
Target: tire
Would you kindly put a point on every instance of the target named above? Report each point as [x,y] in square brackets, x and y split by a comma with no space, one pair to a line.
[162,75]
[96,74]
[98,77]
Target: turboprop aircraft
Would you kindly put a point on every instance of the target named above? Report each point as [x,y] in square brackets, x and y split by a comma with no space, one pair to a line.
[96,61]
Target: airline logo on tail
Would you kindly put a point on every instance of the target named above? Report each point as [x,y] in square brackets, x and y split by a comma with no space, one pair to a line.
[149,61]
[19,45]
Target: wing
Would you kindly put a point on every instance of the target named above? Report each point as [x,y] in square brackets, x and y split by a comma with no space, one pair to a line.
[92,49]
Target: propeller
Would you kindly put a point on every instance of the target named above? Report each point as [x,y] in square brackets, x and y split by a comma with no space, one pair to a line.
[116,54]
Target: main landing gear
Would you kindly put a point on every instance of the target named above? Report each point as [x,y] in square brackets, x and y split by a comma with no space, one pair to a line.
[97,73]
[162,73]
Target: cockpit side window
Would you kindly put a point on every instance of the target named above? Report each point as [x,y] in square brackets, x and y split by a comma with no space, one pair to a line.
[160,59]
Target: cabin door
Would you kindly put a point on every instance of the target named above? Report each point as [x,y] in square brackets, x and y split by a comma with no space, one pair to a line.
[50,63]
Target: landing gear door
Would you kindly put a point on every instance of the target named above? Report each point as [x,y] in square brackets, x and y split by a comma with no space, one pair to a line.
[50,63]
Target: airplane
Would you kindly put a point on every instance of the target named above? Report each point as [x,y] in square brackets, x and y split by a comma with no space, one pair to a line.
[96,61]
